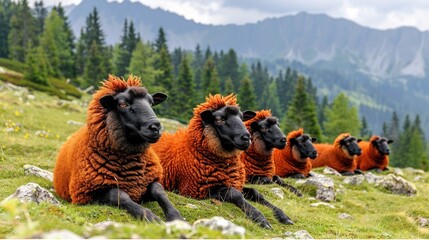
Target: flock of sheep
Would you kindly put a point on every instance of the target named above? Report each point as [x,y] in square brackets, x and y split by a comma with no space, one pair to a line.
[120,158]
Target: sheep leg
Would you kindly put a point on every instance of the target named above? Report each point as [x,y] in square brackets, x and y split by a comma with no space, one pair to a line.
[358,171]
[155,192]
[347,173]
[282,183]
[254,195]
[297,176]
[117,197]
[235,197]
[260,180]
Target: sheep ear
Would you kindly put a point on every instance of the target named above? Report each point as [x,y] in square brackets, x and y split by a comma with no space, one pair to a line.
[247,115]
[108,102]
[313,139]
[390,141]
[359,140]
[207,117]
[292,141]
[158,98]
[254,126]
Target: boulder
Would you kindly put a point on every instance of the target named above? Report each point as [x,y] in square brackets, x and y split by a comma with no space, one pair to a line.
[301,234]
[397,185]
[331,171]
[278,192]
[177,225]
[38,172]
[372,178]
[325,187]
[354,180]
[32,192]
[221,224]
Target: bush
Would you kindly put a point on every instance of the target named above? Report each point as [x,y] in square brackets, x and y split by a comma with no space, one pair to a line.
[12,65]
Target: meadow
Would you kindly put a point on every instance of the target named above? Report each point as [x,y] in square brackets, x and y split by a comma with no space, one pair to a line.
[34,125]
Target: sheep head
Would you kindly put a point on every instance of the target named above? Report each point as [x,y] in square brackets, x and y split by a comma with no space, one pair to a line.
[381,144]
[302,147]
[270,132]
[350,146]
[228,123]
[131,111]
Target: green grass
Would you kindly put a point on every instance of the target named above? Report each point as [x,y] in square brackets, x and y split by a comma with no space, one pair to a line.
[376,213]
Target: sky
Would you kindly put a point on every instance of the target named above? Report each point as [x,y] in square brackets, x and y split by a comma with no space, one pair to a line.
[379,14]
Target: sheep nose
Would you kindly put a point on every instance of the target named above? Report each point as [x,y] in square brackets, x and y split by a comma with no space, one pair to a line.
[245,137]
[156,126]
[283,140]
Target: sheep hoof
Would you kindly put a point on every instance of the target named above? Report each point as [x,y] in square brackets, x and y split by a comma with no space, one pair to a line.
[284,219]
[147,215]
[266,225]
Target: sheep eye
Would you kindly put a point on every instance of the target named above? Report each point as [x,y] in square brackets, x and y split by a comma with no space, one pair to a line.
[264,128]
[123,105]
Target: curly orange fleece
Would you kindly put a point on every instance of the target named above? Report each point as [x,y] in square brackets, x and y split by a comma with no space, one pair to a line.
[193,158]
[334,156]
[287,161]
[371,157]
[257,159]
[95,157]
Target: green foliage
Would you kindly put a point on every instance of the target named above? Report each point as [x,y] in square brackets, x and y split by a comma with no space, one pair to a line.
[183,100]
[12,65]
[228,69]
[365,133]
[270,99]
[229,87]
[210,78]
[123,51]
[341,118]
[246,96]
[301,112]
[37,66]
[7,8]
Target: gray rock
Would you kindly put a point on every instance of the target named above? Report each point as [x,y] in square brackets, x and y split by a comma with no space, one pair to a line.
[38,172]
[177,225]
[372,178]
[278,192]
[354,180]
[418,178]
[414,171]
[75,123]
[397,185]
[325,187]
[41,133]
[190,205]
[60,234]
[423,222]
[32,192]
[103,226]
[322,204]
[398,171]
[345,216]
[220,223]
[331,171]
[302,234]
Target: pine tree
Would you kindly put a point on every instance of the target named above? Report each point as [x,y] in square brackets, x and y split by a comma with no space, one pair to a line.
[384,130]
[183,101]
[270,99]
[321,112]
[246,96]
[365,133]
[163,63]
[176,59]
[228,68]
[340,118]
[36,66]
[197,65]
[210,78]
[393,130]
[301,112]
[258,79]
[7,8]
[141,64]
[402,156]
[40,14]
[22,31]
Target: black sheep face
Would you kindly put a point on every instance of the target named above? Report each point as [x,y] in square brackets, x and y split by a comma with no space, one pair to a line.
[304,144]
[228,122]
[350,144]
[270,132]
[135,114]
[381,144]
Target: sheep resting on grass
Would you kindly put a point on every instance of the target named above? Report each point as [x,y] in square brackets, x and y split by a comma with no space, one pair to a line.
[375,154]
[202,160]
[109,160]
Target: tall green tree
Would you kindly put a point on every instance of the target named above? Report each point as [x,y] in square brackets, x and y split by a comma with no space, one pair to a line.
[229,87]
[163,62]
[401,157]
[210,78]
[302,112]
[340,118]
[228,68]
[183,101]
[55,44]
[40,14]
[23,30]
[246,96]
[321,112]
[365,133]
[7,9]
[142,64]
[197,65]
[122,52]
[37,66]
[270,99]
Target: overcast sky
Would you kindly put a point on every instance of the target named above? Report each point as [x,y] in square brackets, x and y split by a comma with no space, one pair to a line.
[380,14]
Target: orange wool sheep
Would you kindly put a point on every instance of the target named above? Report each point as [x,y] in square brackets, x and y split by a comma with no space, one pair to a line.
[293,161]
[202,160]
[340,155]
[375,154]
[109,160]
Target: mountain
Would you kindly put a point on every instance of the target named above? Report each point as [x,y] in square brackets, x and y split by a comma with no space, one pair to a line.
[381,70]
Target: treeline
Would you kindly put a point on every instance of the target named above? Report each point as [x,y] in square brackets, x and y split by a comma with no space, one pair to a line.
[44,42]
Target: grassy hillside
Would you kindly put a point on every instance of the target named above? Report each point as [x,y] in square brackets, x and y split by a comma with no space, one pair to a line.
[375,213]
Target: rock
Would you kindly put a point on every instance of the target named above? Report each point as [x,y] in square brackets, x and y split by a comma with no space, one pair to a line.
[103,226]
[322,204]
[177,225]
[278,192]
[325,187]
[345,216]
[75,123]
[11,129]
[372,178]
[190,205]
[60,234]
[302,234]
[418,178]
[397,185]
[220,223]
[423,222]
[38,172]
[41,133]
[31,97]
[331,171]
[398,171]
[32,192]
[414,171]
[354,180]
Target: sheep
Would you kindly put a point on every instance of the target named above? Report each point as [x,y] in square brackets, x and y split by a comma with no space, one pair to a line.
[257,159]
[375,154]
[339,156]
[293,161]
[202,161]
[109,160]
